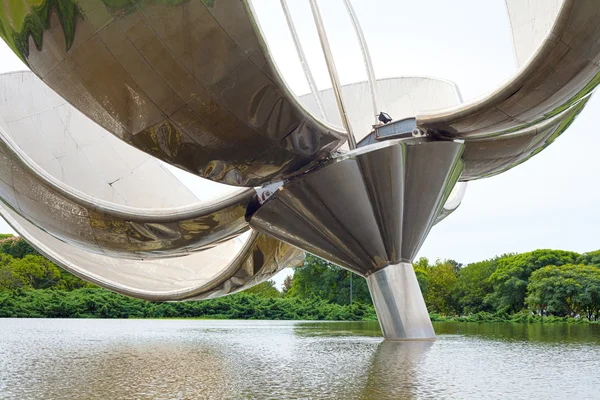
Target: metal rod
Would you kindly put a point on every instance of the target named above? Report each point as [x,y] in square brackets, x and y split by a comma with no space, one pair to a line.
[335,80]
[367,59]
[303,61]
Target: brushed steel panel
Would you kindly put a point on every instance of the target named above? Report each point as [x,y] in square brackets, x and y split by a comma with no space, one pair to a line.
[137,67]
[368,208]
[228,268]
[560,76]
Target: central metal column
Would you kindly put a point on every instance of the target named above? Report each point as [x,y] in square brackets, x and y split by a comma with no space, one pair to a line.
[369,211]
[399,303]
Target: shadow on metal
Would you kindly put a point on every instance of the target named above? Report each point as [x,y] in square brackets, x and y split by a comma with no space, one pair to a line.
[369,208]
[369,211]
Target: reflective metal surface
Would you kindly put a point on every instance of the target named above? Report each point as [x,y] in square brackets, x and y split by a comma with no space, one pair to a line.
[227,268]
[399,303]
[367,209]
[192,83]
[560,75]
[454,200]
[72,149]
[101,168]
[115,216]
[401,97]
[530,23]
[491,156]
[189,82]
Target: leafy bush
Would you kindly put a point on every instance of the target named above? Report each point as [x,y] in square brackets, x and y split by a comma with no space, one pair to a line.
[100,303]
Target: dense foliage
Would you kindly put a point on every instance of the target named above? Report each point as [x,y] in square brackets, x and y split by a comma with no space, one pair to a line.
[542,284]
[100,303]
[319,278]
[32,286]
[21,267]
[565,290]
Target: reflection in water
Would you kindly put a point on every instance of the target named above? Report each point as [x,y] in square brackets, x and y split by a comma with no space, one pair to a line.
[198,359]
[338,328]
[394,369]
[549,333]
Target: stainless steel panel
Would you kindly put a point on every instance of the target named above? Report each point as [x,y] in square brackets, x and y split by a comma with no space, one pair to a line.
[228,268]
[399,303]
[400,97]
[561,75]
[74,180]
[491,156]
[454,200]
[530,23]
[124,231]
[191,83]
[368,208]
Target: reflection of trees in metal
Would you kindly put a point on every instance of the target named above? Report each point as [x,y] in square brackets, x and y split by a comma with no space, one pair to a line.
[228,268]
[89,202]
[22,21]
[111,208]
[188,82]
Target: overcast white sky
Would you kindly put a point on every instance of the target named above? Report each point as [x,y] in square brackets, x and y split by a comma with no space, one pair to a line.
[548,202]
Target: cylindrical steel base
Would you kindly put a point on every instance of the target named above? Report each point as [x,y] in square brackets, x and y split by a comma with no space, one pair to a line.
[399,303]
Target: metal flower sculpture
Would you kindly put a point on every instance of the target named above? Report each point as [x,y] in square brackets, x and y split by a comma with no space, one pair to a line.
[121,87]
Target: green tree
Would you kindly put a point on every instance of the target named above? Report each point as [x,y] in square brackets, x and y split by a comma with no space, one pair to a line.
[287,284]
[36,272]
[318,278]
[8,278]
[590,258]
[567,290]
[473,286]
[421,266]
[265,289]
[511,277]
[16,246]
[441,282]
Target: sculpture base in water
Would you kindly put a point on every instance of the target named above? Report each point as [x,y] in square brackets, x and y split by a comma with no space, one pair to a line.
[369,211]
[399,303]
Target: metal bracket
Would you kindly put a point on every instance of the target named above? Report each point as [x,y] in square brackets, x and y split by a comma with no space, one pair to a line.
[398,129]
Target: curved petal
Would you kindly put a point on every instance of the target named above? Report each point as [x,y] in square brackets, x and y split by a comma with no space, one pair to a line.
[559,75]
[228,268]
[400,97]
[555,82]
[48,160]
[189,82]
[454,200]
[530,22]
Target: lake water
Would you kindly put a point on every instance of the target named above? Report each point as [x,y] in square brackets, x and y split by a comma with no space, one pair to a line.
[199,359]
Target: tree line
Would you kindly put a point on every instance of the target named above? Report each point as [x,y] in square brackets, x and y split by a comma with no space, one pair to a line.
[543,282]
[31,286]
[540,283]
[537,284]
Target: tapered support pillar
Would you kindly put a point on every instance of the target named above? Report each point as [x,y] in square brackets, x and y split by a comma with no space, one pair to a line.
[399,303]
[365,211]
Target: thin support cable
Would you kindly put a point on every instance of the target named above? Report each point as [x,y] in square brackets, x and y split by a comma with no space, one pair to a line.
[367,59]
[307,72]
[335,80]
